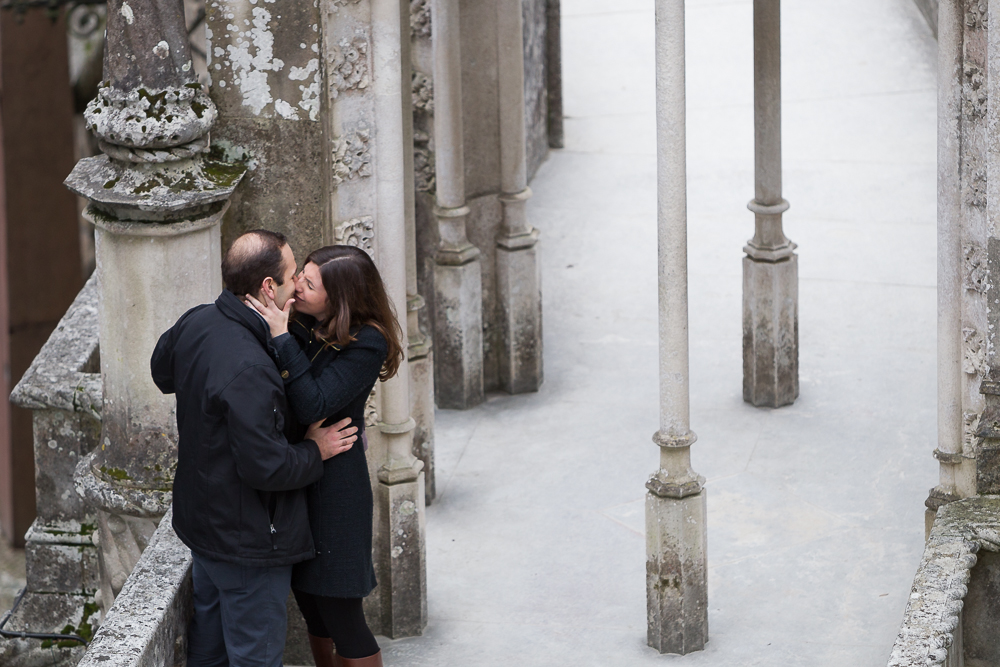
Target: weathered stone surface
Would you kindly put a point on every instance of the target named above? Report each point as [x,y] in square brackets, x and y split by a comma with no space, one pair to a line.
[519,314]
[770,332]
[266,81]
[401,563]
[676,583]
[65,374]
[536,100]
[177,190]
[46,613]
[146,625]
[941,584]
[62,568]
[980,643]
[458,375]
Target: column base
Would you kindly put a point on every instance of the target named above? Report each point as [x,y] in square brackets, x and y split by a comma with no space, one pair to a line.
[519,297]
[422,410]
[676,583]
[770,332]
[401,564]
[458,334]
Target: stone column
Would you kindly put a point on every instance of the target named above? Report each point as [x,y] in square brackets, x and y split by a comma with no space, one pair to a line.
[676,588]
[403,579]
[519,289]
[419,343]
[770,268]
[156,200]
[951,19]
[458,276]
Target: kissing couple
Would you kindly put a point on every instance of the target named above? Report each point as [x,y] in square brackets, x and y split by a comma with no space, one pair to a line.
[272,489]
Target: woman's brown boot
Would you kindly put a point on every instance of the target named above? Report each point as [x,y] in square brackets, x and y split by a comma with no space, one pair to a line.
[370,661]
[322,650]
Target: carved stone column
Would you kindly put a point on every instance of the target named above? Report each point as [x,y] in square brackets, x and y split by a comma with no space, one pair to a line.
[419,343]
[951,20]
[770,268]
[403,578]
[519,288]
[156,200]
[458,277]
[988,456]
[676,586]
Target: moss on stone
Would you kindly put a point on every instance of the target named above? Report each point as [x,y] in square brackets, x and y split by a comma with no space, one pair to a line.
[115,473]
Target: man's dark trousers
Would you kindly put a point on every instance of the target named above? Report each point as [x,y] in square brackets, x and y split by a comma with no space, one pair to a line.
[239,606]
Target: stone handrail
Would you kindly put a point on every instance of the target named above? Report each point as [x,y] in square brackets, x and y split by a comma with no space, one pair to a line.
[64,375]
[933,611]
[147,624]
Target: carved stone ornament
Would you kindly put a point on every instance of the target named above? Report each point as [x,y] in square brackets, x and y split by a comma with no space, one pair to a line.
[371,414]
[357,232]
[976,274]
[423,92]
[424,173]
[335,5]
[150,119]
[351,155]
[348,65]
[420,18]
[974,91]
[976,14]
[974,353]
[974,182]
[970,441]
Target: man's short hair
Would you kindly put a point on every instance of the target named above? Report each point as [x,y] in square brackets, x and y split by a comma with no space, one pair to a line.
[251,258]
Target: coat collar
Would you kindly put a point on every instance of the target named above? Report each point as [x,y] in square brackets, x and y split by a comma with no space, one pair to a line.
[230,305]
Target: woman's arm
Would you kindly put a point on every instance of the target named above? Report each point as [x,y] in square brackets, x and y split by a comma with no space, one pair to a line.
[314,396]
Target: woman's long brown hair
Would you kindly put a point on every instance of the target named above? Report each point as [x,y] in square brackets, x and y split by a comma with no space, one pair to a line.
[355,297]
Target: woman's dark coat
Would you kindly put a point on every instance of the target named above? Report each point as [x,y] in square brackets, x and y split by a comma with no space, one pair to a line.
[325,382]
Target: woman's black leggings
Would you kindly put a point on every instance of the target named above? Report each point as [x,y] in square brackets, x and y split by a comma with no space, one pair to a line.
[341,619]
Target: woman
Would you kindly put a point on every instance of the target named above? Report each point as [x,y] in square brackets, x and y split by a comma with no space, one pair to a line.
[342,338]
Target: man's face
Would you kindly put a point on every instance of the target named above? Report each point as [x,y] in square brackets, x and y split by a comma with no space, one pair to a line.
[281,293]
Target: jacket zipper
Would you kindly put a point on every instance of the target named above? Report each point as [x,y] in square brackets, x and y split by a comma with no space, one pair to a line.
[274,547]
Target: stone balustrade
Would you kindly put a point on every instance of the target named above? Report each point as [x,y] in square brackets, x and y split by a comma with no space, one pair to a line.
[948,615]
[147,625]
[62,387]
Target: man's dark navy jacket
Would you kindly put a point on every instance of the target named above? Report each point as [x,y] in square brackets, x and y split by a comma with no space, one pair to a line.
[239,491]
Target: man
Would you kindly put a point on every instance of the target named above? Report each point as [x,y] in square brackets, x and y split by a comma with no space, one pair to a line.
[239,499]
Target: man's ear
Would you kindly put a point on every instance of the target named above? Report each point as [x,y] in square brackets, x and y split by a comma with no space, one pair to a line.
[267,287]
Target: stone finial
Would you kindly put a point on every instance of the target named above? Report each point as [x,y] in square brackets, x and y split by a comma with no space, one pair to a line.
[150,97]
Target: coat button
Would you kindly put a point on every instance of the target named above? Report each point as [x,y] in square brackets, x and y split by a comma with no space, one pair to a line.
[284,375]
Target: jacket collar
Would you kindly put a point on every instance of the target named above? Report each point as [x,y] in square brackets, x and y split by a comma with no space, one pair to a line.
[230,305]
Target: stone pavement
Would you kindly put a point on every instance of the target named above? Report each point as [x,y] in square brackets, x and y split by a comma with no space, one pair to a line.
[535,547]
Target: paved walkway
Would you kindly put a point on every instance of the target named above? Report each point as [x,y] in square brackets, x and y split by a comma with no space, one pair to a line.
[535,547]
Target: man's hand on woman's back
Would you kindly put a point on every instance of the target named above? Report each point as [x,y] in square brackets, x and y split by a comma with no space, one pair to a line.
[333,440]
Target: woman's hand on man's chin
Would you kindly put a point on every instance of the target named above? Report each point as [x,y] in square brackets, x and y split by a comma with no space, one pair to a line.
[276,318]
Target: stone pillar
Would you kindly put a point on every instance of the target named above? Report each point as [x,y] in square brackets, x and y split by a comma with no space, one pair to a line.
[419,346]
[676,587]
[770,268]
[458,276]
[951,19]
[553,72]
[988,458]
[403,577]
[519,288]
[156,201]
